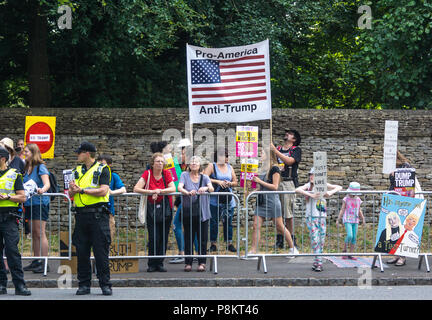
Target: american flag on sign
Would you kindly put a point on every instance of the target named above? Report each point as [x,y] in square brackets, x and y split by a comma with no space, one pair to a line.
[228,81]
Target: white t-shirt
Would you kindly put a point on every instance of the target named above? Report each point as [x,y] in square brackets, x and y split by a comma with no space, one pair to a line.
[315,207]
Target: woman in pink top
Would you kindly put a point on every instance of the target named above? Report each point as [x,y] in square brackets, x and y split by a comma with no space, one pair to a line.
[352,214]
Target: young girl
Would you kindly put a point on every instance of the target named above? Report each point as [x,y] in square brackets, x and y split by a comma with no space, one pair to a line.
[316,216]
[352,213]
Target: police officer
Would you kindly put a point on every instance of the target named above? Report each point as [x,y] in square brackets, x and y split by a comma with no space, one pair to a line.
[90,191]
[11,195]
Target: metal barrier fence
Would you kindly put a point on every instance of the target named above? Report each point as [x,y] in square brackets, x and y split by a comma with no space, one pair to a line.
[334,236]
[57,218]
[128,229]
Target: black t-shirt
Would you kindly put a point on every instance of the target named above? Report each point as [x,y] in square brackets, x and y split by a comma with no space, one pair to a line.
[290,172]
[18,164]
[17,187]
[273,170]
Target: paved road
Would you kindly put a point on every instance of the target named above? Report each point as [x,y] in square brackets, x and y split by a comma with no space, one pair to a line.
[236,293]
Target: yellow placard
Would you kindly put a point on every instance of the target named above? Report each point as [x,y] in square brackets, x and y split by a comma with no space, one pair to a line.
[41,131]
[247,136]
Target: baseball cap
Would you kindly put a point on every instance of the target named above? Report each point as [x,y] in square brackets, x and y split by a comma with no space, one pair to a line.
[312,170]
[86,147]
[4,153]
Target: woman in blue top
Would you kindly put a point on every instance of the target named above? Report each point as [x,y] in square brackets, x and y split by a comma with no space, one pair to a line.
[37,207]
[223,177]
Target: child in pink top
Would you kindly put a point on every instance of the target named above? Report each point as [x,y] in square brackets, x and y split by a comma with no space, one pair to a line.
[351,214]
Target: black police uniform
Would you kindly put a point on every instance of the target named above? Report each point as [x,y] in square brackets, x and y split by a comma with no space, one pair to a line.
[92,230]
[9,238]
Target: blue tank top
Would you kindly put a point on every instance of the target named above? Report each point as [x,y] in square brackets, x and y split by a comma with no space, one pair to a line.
[218,175]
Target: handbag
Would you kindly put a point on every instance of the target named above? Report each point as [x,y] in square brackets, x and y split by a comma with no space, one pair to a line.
[158,212]
[191,209]
[142,209]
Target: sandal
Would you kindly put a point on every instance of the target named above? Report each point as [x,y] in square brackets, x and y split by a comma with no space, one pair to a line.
[392,261]
[400,262]
[188,268]
[201,268]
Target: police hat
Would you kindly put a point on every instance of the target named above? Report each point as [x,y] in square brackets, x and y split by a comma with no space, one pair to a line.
[86,147]
[4,153]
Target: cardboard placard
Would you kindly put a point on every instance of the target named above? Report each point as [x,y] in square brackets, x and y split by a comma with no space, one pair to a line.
[320,175]
[390,146]
[115,265]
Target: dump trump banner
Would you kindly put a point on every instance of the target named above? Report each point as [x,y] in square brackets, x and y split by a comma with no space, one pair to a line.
[229,84]
[400,225]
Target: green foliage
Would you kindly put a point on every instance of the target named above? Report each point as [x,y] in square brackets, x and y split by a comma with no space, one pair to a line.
[131,53]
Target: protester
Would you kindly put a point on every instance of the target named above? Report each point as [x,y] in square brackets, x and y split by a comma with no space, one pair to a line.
[11,195]
[289,156]
[116,188]
[316,213]
[90,192]
[15,162]
[36,208]
[269,205]
[159,208]
[401,162]
[177,221]
[20,149]
[195,211]
[223,178]
[351,214]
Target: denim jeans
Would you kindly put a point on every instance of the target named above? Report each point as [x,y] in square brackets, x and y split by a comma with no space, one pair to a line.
[224,213]
[178,231]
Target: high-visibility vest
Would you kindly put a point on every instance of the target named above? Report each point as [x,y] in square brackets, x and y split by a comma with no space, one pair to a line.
[7,187]
[89,180]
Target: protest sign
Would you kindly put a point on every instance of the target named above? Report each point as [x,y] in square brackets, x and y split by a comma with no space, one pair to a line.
[405,182]
[116,249]
[173,166]
[123,265]
[390,146]
[229,84]
[249,167]
[247,141]
[400,225]
[41,131]
[320,173]
[67,178]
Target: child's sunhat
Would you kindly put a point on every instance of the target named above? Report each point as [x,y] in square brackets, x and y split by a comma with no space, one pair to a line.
[354,188]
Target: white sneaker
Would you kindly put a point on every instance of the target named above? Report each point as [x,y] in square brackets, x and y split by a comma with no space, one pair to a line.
[177,260]
[293,252]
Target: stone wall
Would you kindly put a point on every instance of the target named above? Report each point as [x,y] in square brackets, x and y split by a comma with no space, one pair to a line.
[353,139]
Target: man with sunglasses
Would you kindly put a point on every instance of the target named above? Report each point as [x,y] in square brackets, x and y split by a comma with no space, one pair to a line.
[90,192]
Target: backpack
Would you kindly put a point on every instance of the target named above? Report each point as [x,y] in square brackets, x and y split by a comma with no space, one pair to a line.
[54,188]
